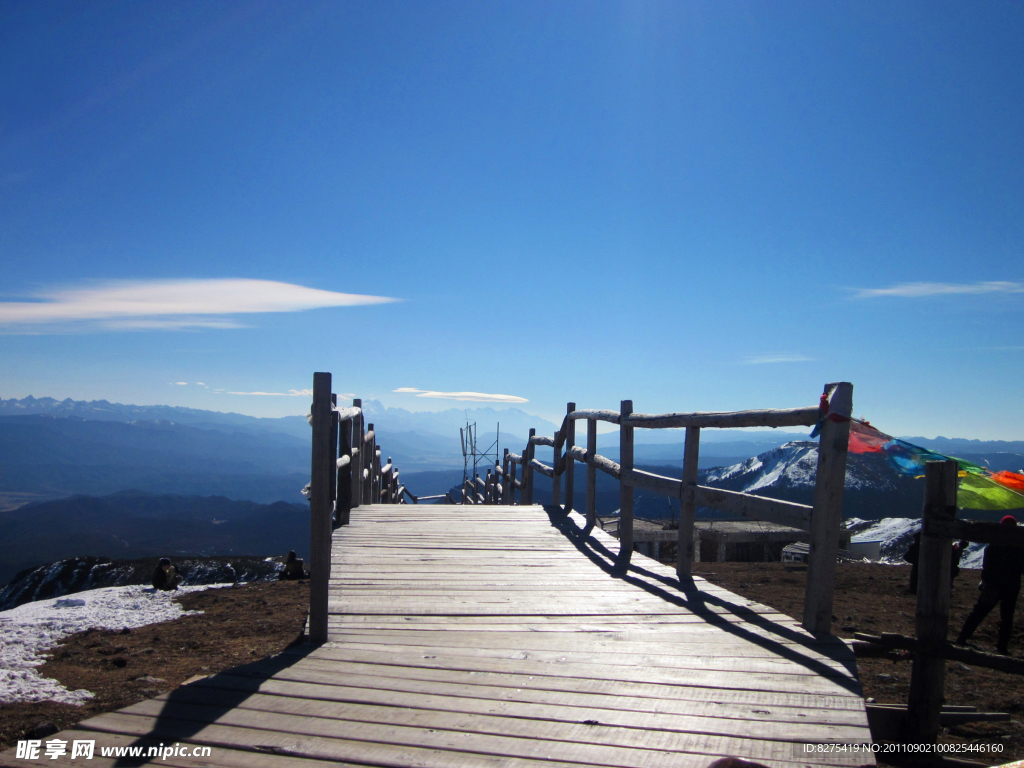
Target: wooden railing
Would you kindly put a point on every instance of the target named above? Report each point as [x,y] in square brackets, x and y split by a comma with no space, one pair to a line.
[346,472]
[823,518]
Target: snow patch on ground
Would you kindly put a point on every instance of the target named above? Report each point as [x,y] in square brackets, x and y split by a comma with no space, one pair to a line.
[28,631]
[896,535]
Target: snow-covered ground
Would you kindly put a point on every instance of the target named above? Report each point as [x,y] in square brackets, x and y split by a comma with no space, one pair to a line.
[896,534]
[29,631]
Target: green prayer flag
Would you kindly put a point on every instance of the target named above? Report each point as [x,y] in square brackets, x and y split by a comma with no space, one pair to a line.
[977,492]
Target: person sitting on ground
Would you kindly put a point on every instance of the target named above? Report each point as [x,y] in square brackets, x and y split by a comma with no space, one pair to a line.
[166,576]
[1000,584]
[293,569]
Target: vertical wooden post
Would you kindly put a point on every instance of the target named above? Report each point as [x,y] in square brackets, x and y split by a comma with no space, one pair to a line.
[528,470]
[556,477]
[570,462]
[344,505]
[321,507]
[377,479]
[506,489]
[370,450]
[357,455]
[688,503]
[512,484]
[827,514]
[591,473]
[928,674]
[391,481]
[625,486]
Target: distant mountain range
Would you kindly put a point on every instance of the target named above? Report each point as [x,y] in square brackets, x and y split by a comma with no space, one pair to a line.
[63,447]
[132,524]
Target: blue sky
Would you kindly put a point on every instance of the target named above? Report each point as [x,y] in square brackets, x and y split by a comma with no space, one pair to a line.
[699,206]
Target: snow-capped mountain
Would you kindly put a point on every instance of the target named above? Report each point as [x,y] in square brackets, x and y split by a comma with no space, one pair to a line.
[873,489]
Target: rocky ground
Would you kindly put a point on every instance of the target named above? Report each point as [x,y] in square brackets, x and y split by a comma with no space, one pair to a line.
[238,625]
[245,623]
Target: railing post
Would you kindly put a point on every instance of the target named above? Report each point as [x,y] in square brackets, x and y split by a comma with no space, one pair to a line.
[688,504]
[591,473]
[371,451]
[827,514]
[344,504]
[357,456]
[512,484]
[506,489]
[625,487]
[556,479]
[322,480]
[528,470]
[570,462]
[376,475]
[928,674]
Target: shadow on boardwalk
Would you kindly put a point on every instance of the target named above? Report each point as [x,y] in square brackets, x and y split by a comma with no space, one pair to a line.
[687,595]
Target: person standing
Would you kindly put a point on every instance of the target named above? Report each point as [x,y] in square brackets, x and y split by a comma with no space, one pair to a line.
[1000,584]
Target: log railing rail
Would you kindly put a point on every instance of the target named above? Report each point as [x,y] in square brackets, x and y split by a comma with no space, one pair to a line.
[823,518]
[346,471]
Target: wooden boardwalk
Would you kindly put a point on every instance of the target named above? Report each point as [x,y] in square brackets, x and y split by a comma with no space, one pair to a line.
[495,636]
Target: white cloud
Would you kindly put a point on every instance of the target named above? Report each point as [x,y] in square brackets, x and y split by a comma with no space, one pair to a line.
[200,384]
[179,383]
[476,397]
[917,290]
[768,359]
[171,304]
[289,393]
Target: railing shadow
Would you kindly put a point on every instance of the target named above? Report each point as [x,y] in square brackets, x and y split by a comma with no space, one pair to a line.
[687,595]
[191,708]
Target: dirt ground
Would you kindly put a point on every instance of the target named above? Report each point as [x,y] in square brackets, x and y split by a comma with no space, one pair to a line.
[874,599]
[246,623]
[238,625]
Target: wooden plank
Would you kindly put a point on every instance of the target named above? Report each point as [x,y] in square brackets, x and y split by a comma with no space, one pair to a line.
[444,732]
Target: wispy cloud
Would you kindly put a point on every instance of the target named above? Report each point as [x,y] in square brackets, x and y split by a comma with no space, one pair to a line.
[169,304]
[289,393]
[919,290]
[768,359]
[180,383]
[476,397]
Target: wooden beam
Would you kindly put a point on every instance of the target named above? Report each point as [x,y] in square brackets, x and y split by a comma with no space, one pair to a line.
[931,619]
[688,508]
[783,417]
[827,517]
[945,650]
[544,469]
[570,466]
[540,440]
[625,489]
[983,533]
[322,479]
[597,461]
[755,507]
[595,415]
